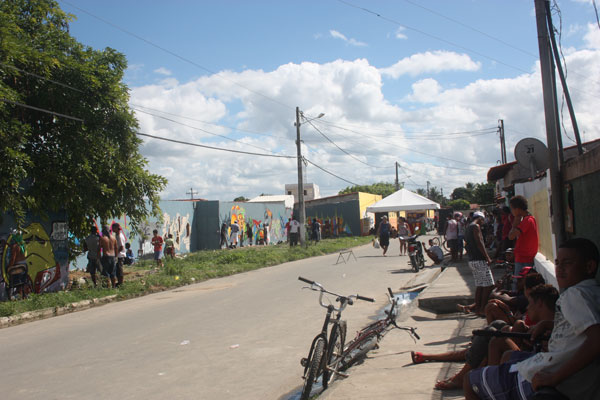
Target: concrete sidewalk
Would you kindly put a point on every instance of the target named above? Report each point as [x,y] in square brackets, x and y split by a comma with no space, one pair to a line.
[388,372]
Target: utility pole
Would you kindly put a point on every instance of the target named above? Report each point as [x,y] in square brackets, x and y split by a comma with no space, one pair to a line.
[502,141]
[428,183]
[552,128]
[301,210]
[191,193]
[397,183]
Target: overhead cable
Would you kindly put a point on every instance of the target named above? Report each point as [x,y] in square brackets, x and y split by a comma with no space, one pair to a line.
[212,147]
[330,173]
[182,58]
[42,77]
[41,109]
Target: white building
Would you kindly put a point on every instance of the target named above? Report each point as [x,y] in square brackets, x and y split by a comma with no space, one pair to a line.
[311,191]
[287,200]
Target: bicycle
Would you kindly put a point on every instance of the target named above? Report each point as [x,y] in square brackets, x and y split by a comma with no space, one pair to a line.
[325,352]
[339,357]
[442,243]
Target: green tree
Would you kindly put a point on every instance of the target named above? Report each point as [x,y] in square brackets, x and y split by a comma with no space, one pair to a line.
[86,160]
[459,204]
[241,198]
[382,188]
[462,193]
[484,193]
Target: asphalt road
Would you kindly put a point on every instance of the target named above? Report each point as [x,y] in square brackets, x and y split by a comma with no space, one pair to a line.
[239,337]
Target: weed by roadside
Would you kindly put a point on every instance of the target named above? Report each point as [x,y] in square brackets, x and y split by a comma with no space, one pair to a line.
[195,267]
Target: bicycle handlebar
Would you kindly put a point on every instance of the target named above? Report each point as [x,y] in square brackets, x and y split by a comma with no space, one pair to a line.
[344,300]
[306,280]
[365,298]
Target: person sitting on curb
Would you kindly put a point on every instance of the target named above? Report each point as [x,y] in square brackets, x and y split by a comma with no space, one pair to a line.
[572,363]
[510,308]
[434,252]
[478,353]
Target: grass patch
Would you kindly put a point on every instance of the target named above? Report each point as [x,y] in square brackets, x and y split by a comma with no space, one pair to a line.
[193,268]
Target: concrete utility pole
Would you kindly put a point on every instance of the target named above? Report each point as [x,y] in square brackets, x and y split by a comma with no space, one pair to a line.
[428,183]
[191,193]
[397,182]
[301,211]
[502,141]
[552,128]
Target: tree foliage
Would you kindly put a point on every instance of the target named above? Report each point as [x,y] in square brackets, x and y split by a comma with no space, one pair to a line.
[49,162]
[459,204]
[480,193]
[241,198]
[382,188]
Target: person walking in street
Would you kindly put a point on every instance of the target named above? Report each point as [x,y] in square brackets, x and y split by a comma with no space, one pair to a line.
[460,234]
[157,242]
[249,233]
[294,232]
[223,236]
[479,262]
[524,230]
[121,252]
[266,233]
[403,231]
[316,230]
[452,237]
[91,244]
[108,244]
[235,232]
[384,234]
[170,246]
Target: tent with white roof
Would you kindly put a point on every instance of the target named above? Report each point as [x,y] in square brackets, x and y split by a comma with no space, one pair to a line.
[403,200]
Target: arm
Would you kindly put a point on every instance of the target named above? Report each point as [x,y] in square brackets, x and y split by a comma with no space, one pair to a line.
[479,243]
[587,352]
[515,232]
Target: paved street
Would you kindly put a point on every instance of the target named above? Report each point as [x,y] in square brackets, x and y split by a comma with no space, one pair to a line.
[231,338]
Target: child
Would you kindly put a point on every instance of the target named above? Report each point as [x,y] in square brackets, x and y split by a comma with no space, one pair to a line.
[572,362]
[129,258]
[157,242]
[170,246]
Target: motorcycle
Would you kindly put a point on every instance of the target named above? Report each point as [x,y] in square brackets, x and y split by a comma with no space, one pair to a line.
[415,252]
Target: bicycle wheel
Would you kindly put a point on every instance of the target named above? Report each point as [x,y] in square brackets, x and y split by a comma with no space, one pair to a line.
[445,246]
[435,241]
[315,367]
[334,354]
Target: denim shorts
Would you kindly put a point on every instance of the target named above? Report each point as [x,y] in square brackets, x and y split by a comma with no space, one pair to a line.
[109,266]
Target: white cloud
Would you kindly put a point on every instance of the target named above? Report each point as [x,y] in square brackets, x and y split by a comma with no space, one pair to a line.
[368,125]
[400,33]
[431,62]
[353,42]
[163,71]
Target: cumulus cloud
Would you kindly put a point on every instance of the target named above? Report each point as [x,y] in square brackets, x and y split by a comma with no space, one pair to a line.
[431,62]
[163,71]
[399,34]
[255,109]
[352,42]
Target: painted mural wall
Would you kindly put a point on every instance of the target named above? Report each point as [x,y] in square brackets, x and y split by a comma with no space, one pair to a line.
[36,259]
[336,219]
[258,215]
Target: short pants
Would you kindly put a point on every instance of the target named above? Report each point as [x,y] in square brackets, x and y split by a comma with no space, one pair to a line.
[496,382]
[452,244]
[481,273]
[109,266]
[384,240]
[93,266]
[157,255]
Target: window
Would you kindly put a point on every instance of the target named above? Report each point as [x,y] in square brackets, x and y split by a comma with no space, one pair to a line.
[289,192]
[305,193]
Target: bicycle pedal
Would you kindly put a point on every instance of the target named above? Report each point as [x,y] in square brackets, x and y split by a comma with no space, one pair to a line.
[304,362]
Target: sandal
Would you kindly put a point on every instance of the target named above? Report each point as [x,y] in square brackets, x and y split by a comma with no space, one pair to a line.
[417,357]
[448,384]
[463,308]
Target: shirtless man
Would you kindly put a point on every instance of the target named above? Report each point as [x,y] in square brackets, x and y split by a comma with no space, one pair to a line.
[108,244]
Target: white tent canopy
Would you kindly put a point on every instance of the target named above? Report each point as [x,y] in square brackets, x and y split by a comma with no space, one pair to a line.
[403,200]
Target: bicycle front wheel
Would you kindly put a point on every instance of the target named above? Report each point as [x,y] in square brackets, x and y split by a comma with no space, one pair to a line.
[435,241]
[315,368]
[334,354]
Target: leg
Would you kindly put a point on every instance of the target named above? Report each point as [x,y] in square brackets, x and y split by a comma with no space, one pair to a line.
[456,381]
[468,390]
[493,312]
[449,356]
[497,347]
[485,295]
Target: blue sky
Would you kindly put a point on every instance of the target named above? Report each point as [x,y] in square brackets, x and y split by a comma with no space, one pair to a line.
[391,86]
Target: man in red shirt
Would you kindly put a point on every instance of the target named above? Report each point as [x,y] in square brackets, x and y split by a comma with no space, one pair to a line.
[524,230]
[157,242]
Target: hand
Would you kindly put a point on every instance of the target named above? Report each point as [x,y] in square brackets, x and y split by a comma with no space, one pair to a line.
[543,378]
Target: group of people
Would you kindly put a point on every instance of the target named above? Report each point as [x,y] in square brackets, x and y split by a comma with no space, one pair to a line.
[508,368]
[107,253]
[157,244]
[233,235]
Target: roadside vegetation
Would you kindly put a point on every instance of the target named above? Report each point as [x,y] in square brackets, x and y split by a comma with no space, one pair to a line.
[196,267]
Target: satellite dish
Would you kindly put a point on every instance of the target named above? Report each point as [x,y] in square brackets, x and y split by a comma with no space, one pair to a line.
[532,154]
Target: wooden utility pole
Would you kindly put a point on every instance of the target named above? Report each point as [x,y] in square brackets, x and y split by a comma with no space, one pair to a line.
[502,141]
[397,182]
[301,210]
[552,127]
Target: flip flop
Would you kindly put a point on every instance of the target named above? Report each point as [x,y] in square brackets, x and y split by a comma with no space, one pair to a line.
[417,357]
[463,308]
[448,384]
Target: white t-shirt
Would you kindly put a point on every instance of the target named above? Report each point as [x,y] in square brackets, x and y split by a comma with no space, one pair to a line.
[451,230]
[121,242]
[577,308]
[294,226]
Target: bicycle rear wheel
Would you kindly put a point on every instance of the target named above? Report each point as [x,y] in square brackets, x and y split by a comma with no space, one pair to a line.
[337,340]
[315,368]
[436,241]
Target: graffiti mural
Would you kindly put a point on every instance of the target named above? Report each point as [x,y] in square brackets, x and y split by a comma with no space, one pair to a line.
[33,259]
[331,227]
[267,221]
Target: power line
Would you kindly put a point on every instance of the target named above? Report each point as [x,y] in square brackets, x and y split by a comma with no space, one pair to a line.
[182,58]
[212,147]
[342,150]
[200,129]
[596,11]
[42,77]
[41,109]
[330,173]
[209,123]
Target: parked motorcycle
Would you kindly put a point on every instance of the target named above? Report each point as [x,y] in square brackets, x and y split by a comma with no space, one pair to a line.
[415,252]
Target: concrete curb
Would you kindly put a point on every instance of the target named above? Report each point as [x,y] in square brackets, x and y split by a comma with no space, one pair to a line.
[30,316]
